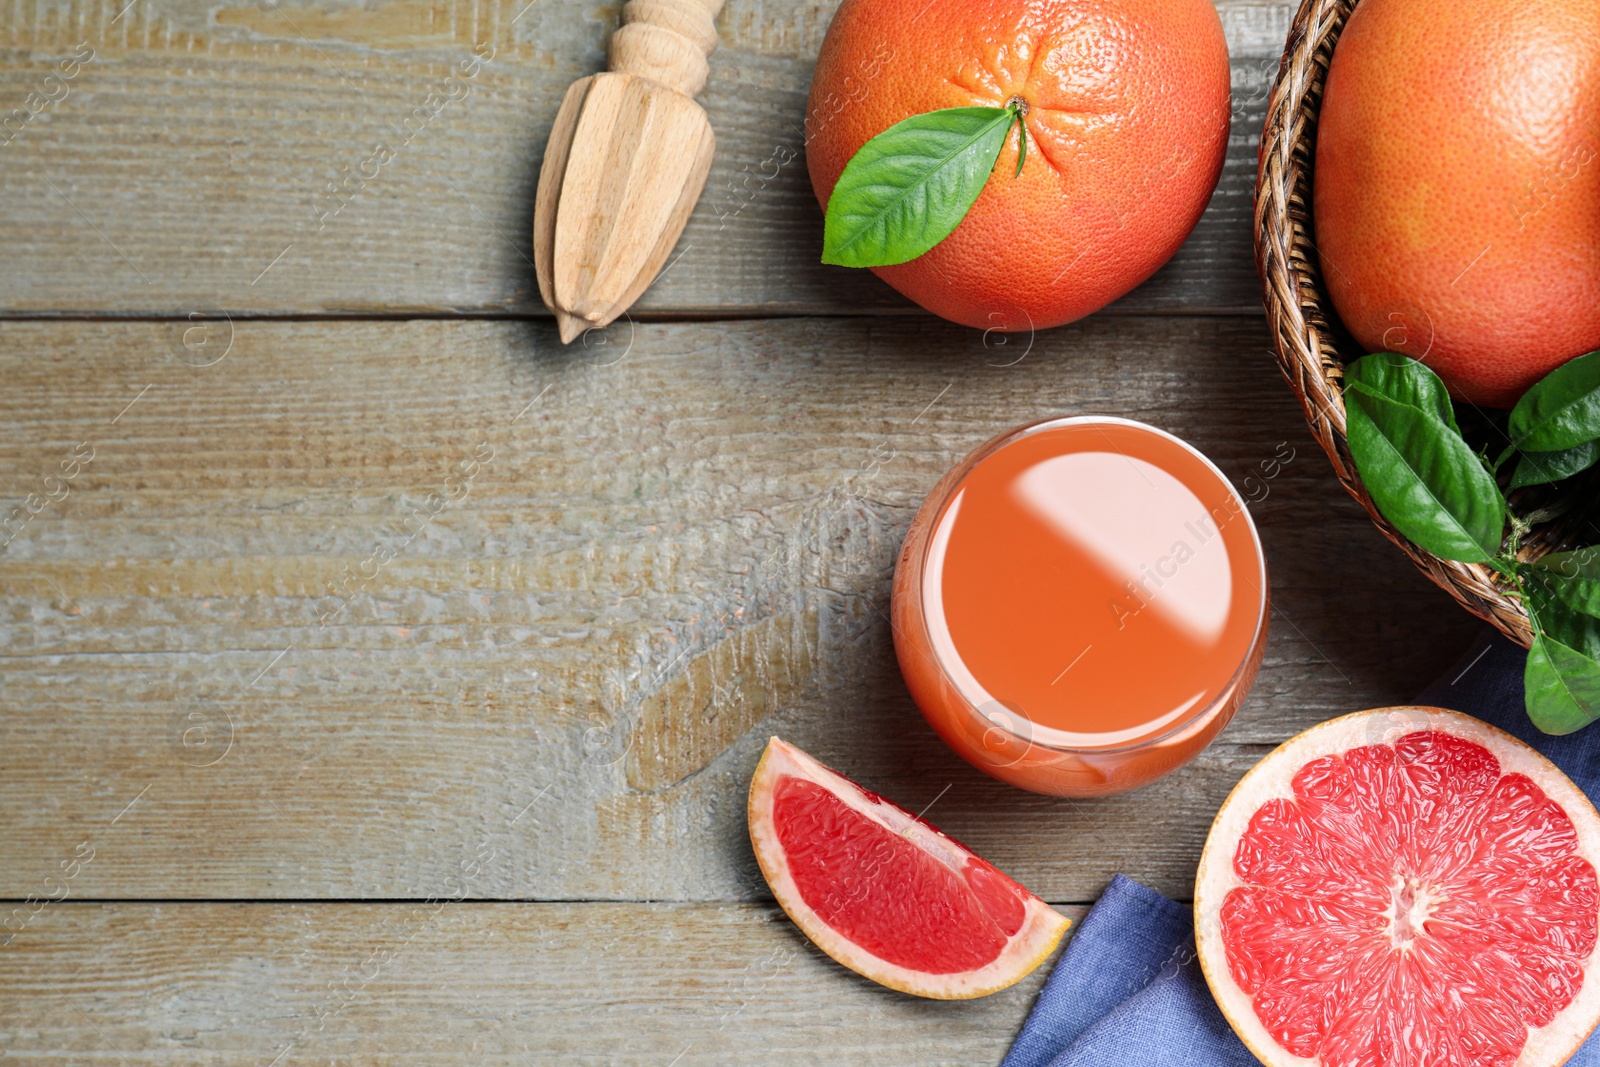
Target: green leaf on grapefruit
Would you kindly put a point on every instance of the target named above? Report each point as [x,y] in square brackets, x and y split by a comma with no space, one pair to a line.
[908,188]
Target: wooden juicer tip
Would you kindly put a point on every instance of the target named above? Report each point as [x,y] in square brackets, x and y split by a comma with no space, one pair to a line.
[627,158]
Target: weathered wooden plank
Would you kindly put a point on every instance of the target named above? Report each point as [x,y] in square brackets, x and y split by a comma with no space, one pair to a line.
[208,155]
[461,983]
[334,610]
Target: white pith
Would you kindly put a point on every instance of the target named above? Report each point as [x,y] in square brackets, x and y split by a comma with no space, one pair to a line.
[1548,1046]
[1412,903]
[1039,934]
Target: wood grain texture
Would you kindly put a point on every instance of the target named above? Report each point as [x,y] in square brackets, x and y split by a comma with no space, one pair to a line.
[329,614]
[316,157]
[630,985]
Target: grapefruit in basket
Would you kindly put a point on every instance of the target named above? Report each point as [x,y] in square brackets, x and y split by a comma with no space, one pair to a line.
[1399,888]
[1126,111]
[885,893]
[1457,186]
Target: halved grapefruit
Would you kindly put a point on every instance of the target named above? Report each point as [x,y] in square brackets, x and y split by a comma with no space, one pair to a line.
[885,893]
[1399,888]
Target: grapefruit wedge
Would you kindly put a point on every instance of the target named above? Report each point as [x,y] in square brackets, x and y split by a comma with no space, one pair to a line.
[885,893]
[1399,888]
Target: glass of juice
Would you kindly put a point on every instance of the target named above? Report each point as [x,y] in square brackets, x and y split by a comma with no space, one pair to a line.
[1081,605]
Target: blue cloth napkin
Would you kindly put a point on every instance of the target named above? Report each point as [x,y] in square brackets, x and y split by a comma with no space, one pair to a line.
[1128,988]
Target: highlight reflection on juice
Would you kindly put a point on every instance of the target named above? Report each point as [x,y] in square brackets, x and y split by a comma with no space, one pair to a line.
[1081,605]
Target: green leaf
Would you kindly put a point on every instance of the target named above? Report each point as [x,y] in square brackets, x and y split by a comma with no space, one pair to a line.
[1022,142]
[1555,617]
[1423,477]
[1562,410]
[1561,687]
[911,185]
[1405,380]
[1540,468]
[1574,577]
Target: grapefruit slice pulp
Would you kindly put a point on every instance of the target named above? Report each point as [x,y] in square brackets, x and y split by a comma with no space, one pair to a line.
[1400,888]
[885,893]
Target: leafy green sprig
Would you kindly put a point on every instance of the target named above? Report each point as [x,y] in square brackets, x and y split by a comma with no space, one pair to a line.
[908,188]
[1445,497]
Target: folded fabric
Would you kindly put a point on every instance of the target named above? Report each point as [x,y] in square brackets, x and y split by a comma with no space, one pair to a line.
[1127,989]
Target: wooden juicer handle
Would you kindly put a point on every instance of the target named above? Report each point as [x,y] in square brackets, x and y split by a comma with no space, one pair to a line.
[627,158]
[666,41]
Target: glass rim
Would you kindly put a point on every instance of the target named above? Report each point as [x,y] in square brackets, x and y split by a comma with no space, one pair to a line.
[958,474]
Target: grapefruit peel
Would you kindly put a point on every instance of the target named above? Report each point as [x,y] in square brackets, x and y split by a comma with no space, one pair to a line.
[1038,927]
[1271,780]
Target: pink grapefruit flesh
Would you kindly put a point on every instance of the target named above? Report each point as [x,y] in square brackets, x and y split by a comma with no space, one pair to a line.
[1406,887]
[885,893]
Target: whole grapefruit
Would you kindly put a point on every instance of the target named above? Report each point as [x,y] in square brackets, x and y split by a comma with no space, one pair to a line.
[1127,124]
[1457,186]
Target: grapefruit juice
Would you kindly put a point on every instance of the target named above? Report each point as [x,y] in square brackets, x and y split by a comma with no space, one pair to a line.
[1081,605]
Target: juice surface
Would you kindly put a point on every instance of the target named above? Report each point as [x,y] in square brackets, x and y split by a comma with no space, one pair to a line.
[1099,580]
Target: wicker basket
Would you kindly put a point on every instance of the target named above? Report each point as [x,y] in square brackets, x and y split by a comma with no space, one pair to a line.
[1311,344]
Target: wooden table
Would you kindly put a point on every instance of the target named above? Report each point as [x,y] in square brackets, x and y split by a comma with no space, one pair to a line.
[385,687]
